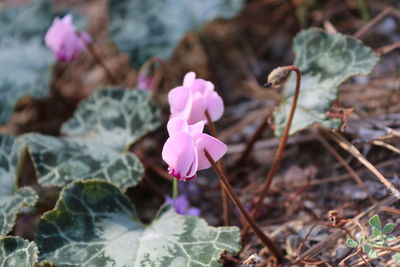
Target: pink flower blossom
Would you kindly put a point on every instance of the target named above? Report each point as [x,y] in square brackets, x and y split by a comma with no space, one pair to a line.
[64,40]
[144,82]
[184,149]
[194,98]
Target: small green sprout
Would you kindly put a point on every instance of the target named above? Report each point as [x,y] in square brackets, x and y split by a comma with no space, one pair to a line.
[379,238]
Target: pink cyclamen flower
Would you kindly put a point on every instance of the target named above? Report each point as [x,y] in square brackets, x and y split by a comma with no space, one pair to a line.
[144,82]
[194,98]
[184,149]
[64,40]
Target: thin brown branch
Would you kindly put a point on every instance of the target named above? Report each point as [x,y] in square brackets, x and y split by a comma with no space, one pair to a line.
[346,145]
[343,162]
[226,209]
[281,148]
[372,23]
[257,135]
[99,61]
[263,237]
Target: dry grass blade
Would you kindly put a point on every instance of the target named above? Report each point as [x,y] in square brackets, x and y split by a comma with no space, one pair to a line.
[350,170]
[372,23]
[385,145]
[346,145]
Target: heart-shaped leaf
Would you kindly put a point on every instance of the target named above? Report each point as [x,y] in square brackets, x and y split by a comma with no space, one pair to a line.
[15,251]
[101,130]
[12,198]
[95,224]
[25,61]
[325,60]
[114,118]
[154,27]
[59,161]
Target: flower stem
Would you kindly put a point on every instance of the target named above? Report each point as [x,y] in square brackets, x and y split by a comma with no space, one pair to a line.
[257,134]
[263,237]
[174,188]
[279,153]
[99,61]
[226,210]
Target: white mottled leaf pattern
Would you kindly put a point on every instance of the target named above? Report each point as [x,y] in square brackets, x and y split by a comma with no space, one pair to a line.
[25,61]
[325,60]
[59,161]
[113,117]
[12,198]
[94,224]
[141,30]
[98,135]
[15,251]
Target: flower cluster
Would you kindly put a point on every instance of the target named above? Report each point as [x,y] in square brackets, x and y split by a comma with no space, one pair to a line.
[64,40]
[184,149]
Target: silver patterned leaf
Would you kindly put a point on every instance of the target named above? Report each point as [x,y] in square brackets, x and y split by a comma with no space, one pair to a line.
[94,224]
[12,198]
[147,28]
[325,60]
[15,251]
[114,118]
[25,61]
[59,161]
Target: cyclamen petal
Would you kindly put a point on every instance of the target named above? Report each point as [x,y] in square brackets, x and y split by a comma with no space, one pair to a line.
[181,156]
[194,98]
[180,100]
[199,106]
[64,40]
[215,106]
[215,148]
[179,124]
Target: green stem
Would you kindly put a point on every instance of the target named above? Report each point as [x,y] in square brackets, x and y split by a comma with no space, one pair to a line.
[364,10]
[174,188]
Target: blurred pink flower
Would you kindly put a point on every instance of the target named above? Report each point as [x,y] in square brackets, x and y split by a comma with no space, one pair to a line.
[144,82]
[182,206]
[184,149]
[64,40]
[194,98]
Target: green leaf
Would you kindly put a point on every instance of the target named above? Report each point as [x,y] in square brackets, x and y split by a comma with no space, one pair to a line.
[94,224]
[373,254]
[15,251]
[366,247]
[396,257]
[12,198]
[375,221]
[388,228]
[376,232]
[25,61]
[351,243]
[141,30]
[59,161]
[114,118]
[325,60]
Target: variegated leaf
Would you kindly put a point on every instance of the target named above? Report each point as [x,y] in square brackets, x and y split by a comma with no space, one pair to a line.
[114,118]
[12,198]
[15,251]
[94,224]
[325,60]
[154,27]
[25,61]
[59,161]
